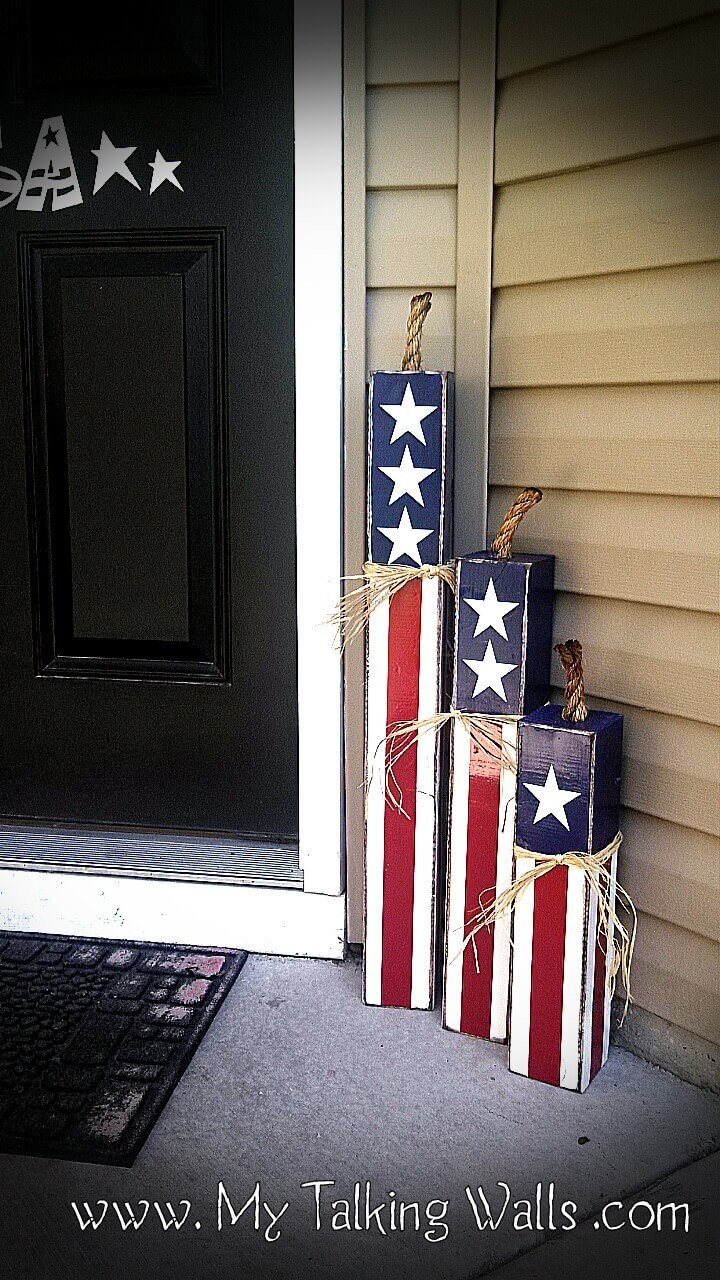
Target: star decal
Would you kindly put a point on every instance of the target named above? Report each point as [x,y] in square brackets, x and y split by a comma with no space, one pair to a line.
[408,417]
[50,137]
[405,539]
[490,673]
[551,799]
[407,478]
[111,160]
[163,171]
[491,611]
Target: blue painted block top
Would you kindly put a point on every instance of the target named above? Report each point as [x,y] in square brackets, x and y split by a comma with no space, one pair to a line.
[503,633]
[568,781]
[410,426]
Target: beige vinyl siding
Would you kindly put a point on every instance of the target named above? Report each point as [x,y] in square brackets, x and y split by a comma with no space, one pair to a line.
[605,360]
[411,122]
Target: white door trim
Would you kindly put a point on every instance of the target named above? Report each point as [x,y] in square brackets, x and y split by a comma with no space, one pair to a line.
[319,434]
[275,921]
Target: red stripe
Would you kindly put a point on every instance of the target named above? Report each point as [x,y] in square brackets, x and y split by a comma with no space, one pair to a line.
[480,875]
[598,1011]
[399,861]
[546,992]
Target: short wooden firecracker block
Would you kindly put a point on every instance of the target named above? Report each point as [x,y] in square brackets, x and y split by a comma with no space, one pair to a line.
[502,668]
[568,802]
[409,523]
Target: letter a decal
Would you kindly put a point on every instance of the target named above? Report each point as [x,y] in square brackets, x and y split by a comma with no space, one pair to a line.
[51,169]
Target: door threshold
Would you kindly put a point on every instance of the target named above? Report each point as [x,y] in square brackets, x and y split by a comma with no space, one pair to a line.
[273,921]
[203,858]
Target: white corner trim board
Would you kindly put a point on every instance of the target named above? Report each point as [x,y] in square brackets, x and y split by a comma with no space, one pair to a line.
[319,434]
[274,921]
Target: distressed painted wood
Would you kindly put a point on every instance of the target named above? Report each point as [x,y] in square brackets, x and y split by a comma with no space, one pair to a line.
[409,485]
[503,629]
[568,801]
[480,862]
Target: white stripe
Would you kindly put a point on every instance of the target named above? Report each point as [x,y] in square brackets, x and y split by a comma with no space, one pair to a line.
[424,893]
[588,984]
[609,963]
[521,975]
[503,880]
[377,658]
[457,869]
[573,970]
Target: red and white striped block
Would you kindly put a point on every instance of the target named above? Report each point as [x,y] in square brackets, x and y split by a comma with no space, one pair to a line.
[568,803]
[561,988]
[480,862]
[404,682]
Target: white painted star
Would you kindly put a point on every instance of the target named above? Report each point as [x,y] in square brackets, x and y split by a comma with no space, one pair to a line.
[405,539]
[111,160]
[163,171]
[490,673]
[491,611]
[408,417]
[407,478]
[551,799]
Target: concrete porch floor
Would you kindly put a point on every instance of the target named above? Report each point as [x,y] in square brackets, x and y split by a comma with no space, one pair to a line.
[297,1081]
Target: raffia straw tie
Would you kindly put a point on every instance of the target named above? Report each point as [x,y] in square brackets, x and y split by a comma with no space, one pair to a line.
[380,582]
[594,867]
[405,734]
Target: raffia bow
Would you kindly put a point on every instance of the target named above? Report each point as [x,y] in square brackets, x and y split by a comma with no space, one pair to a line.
[405,734]
[601,881]
[380,582]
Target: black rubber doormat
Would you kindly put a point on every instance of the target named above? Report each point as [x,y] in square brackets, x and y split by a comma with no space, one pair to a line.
[94,1036]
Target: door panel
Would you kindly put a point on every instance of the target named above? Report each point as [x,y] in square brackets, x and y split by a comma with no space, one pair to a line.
[126,434]
[147,598]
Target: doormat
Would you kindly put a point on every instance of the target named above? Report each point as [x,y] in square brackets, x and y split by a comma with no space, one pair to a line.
[94,1036]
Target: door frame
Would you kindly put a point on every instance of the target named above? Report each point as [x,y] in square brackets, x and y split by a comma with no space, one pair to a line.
[319,434]
[307,919]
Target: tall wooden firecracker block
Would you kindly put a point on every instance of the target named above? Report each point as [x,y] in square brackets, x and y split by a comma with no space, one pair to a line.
[503,638]
[409,523]
[568,802]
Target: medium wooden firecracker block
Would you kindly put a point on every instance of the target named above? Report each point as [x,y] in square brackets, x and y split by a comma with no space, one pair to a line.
[568,801]
[409,523]
[502,668]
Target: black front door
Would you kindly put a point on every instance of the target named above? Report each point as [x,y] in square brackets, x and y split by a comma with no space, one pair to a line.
[147,596]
